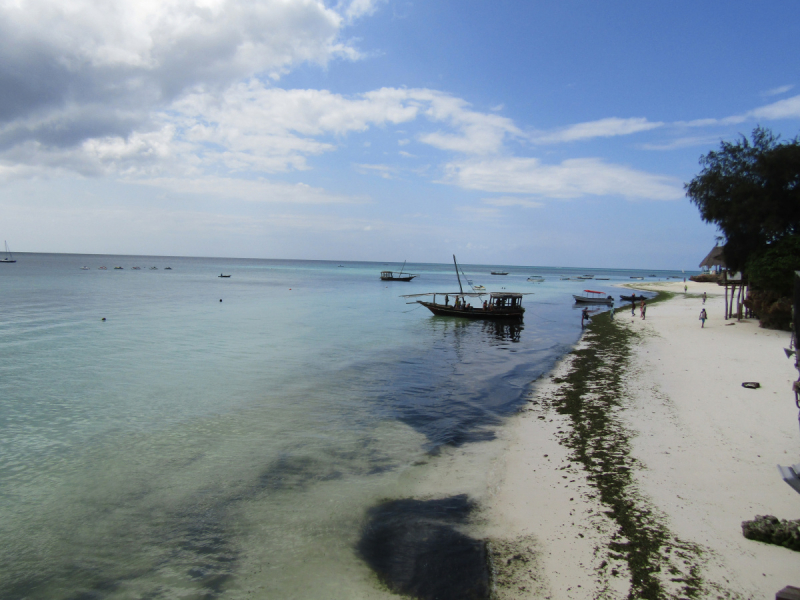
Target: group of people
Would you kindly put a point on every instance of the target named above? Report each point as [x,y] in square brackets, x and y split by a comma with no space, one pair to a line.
[642,307]
[643,311]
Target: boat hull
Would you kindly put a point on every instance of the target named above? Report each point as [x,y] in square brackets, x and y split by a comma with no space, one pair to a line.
[443,310]
[404,278]
[585,300]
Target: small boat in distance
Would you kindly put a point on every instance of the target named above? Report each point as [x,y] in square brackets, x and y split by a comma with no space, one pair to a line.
[593,297]
[168,268]
[84,268]
[102,269]
[499,272]
[397,276]
[8,258]
[117,268]
[221,275]
[154,268]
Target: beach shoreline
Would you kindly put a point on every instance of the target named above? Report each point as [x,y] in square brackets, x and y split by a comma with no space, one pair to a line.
[691,452]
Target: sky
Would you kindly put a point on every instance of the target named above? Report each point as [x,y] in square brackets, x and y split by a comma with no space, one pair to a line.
[517,132]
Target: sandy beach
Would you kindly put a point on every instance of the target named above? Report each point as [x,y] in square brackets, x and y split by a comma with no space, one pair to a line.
[649,503]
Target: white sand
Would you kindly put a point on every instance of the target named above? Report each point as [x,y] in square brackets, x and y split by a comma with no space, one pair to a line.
[708,450]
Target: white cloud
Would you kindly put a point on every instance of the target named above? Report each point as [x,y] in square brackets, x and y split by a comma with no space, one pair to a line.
[260,190]
[385,171]
[684,142]
[120,60]
[783,109]
[609,127]
[513,201]
[788,108]
[476,133]
[355,9]
[251,127]
[572,178]
[777,91]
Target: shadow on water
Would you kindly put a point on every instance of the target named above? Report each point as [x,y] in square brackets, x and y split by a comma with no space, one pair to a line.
[470,374]
[415,548]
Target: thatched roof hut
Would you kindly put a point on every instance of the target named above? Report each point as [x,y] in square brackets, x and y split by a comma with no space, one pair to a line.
[715,259]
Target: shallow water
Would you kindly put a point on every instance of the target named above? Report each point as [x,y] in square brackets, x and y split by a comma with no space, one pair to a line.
[187,447]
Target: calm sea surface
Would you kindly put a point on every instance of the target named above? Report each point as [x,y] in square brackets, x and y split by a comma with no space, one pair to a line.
[197,448]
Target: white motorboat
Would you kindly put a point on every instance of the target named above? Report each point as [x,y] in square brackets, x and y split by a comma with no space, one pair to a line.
[593,297]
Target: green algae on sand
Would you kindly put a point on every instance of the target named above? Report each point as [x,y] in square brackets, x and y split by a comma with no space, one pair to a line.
[592,395]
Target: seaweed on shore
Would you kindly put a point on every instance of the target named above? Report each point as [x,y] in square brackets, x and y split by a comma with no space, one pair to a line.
[592,395]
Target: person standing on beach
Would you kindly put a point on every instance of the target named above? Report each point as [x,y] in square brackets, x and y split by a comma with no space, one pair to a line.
[704,297]
[703,317]
[584,316]
[685,289]
[633,305]
[643,308]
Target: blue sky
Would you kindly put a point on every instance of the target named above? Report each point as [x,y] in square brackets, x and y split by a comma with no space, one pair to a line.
[505,132]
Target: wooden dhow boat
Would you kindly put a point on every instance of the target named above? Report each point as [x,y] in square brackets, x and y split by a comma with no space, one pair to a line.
[397,276]
[500,305]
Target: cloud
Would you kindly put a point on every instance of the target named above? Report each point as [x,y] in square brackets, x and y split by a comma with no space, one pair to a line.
[788,108]
[574,178]
[476,133]
[251,127]
[783,109]
[384,171]
[260,190]
[684,142]
[609,127]
[355,9]
[777,91]
[62,61]
[513,201]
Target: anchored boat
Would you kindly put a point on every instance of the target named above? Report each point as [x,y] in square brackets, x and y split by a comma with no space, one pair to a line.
[500,305]
[8,258]
[395,276]
[593,297]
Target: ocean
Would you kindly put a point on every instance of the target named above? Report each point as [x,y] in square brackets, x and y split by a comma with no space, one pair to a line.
[167,433]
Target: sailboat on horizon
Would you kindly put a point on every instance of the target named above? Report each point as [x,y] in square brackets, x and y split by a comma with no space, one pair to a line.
[8,258]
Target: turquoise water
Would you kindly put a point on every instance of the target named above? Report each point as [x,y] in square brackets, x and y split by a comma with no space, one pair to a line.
[187,447]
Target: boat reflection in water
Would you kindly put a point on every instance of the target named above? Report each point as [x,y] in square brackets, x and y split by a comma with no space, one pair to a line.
[495,332]
[503,331]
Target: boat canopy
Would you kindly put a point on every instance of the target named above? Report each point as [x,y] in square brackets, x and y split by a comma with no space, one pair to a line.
[592,292]
[472,294]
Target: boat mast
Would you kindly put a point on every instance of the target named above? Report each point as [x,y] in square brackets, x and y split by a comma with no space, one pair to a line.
[403,267]
[457,275]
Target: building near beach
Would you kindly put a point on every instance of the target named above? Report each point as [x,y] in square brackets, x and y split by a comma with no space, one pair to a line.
[714,261]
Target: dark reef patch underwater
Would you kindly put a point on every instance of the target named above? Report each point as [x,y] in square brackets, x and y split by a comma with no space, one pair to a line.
[415,548]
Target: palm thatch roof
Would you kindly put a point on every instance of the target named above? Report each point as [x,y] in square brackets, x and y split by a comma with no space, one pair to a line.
[715,258]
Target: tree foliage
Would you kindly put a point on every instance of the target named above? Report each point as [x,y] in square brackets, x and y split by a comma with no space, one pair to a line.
[751,191]
[772,269]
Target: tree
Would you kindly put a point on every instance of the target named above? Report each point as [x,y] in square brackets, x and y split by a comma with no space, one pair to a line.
[751,191]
